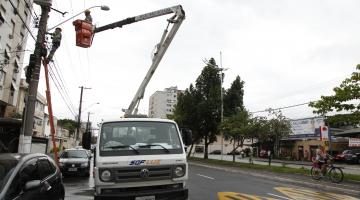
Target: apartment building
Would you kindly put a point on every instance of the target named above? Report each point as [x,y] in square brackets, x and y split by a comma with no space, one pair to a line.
[162,103]
[13,36]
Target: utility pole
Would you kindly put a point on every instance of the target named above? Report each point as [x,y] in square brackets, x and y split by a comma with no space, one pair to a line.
[222,108]
[79,115]
[88,127]
[34,65]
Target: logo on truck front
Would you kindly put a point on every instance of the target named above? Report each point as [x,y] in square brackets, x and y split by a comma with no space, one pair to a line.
[146,162]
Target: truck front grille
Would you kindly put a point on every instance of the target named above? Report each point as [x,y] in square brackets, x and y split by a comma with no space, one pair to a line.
[143,173]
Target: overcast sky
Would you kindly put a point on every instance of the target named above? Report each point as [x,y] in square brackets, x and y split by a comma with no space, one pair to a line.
[287,52]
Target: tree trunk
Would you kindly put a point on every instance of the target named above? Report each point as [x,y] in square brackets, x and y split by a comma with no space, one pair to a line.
[189,151]
[233,151]
[206,147]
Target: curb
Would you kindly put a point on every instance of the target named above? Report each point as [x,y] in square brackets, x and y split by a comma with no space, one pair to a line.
[318,185]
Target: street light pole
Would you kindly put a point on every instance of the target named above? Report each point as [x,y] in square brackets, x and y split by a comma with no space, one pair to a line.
[222,107]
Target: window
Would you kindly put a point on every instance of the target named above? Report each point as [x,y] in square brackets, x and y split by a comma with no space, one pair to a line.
[26,14]
[45,168]
[13,29]
[7,57]
[2,8]
[11,97]
[16,71]
[2,20]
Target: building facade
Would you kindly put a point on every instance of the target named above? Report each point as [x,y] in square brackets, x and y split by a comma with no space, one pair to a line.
[13,36]
[162,103]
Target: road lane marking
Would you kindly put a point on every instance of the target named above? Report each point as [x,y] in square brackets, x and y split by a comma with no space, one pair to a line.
[279,196]
[206,176]
[240,196]
[310,194]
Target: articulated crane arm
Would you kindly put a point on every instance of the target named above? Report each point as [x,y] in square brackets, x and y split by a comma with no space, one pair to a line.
[161,47]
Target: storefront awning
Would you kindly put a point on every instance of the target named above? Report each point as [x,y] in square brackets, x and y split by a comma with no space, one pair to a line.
[355,133]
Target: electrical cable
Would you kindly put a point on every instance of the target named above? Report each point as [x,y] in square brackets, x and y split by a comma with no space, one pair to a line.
[59,73]
[280,108]
[58,87]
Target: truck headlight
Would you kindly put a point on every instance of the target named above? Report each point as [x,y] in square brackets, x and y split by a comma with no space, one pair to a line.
[179,171]
[106,175]
[84,164]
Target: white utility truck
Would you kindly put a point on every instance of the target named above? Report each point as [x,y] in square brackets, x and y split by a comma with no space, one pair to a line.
[141,159]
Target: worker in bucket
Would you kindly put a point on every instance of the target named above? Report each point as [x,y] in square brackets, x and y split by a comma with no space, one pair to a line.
[88,17]
[56,40]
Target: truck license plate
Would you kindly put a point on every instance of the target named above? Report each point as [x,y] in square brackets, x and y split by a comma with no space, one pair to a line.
[145,198]
[72,169]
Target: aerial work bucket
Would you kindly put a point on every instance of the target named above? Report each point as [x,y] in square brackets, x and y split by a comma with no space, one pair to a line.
[84,33]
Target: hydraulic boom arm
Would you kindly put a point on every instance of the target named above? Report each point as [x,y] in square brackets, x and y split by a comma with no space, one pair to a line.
[176,20]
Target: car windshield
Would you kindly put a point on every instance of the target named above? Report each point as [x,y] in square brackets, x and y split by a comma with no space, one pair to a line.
[139,137]
[6,167]
[74,154]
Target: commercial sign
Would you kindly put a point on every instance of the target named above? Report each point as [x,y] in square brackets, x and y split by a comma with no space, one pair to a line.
[354,142]
[324,133]
[306,126]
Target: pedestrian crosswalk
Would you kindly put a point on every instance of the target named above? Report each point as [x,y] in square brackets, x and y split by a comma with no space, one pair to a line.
[286,193]
[306,194]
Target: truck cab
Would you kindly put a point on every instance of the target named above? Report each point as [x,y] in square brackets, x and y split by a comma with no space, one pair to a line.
[141,159]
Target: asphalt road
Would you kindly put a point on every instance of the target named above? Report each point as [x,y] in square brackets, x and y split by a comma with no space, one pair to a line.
[209,183]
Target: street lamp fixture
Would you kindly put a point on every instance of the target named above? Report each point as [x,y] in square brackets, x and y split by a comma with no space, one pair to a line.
[103,7]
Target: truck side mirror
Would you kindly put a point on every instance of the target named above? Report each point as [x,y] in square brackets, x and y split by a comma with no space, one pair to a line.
[187,136]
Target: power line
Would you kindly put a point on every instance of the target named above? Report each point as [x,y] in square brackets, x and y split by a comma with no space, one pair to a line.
[58,71]
[280,108]
[56,83]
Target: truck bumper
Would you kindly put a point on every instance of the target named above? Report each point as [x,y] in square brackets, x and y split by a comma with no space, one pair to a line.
[170,194]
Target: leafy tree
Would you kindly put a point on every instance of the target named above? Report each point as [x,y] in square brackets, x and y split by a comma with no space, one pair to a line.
[278,126]
[233,98]
[68,124]
[346,99]
[199,107]
[186,114]
[16,115]
[236,129]
[208,87]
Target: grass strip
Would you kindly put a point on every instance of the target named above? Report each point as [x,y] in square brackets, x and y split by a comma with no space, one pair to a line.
[277,169]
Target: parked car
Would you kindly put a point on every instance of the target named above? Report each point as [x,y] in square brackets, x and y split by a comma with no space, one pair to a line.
[199,149]
[236,152]
[216,152]
[352,156]
[341,156]
[75,162]
[30,176]
[263,154]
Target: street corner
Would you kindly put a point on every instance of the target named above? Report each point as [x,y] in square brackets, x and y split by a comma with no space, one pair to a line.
[297,193]
[240,196]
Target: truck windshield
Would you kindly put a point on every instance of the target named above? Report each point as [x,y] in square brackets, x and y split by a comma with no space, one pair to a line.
[139,137]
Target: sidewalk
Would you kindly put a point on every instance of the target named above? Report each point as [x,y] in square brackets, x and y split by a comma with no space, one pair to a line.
[348,169]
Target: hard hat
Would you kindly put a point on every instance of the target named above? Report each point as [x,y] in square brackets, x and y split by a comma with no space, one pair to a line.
[58,28]
[87,11]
